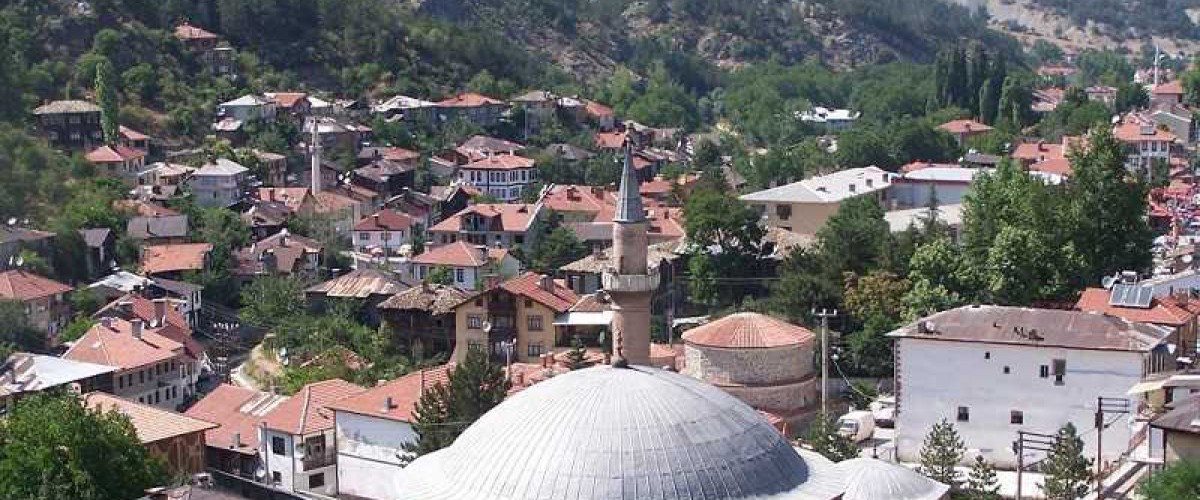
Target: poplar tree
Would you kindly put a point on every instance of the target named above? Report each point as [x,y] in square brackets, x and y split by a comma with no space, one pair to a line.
[106,96]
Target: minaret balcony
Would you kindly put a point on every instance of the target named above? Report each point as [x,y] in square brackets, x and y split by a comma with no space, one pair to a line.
[629,283]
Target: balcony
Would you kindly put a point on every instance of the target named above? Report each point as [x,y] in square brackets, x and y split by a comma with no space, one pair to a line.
[629,283]
[324,458]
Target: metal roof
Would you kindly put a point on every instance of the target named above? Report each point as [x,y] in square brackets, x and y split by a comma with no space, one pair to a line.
[613,433]
[873,479]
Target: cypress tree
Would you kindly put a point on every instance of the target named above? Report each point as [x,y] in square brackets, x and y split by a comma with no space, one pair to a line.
[958,78]
[989,100]
[977,75]
[106,96]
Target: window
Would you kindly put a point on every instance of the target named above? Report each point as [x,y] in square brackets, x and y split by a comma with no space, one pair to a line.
[535,325]
[141,376]
[478,302]
[316,480]
[364,236]
[987,355]
[964,414]
[475,346]
[459,275]
[1044,371]
[1016,417]
[278,446]
[1006,370]
[1060,370]
[474,321]
[528,302]
[783,211]
[276,478]
[157,397]
[535,350]
[121,382]
[387,236]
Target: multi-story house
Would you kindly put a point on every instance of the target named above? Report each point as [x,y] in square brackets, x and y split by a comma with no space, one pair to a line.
[218,184]
[119,160]
[1147,143]
[506,177]
[152,369]
[514,318]
[475,108]
[468,264]
[282,253]
[233,446]
[422,317]
[70,124]
[24,373]
[1169,93]
[384,232]
[218,57]
[995,370]
[298,442]
[247,108]
[804,206]
[406,109]
[174,260]
[44,299]
[165,317]
[503,224]
[294,105]
[964,130]
[175,438]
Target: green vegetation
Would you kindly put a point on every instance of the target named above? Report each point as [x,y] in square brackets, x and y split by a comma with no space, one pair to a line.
[1125,18]
[941,452]
[1067,471]
[824,438]
[1178,480]
[982,483]
[476,385]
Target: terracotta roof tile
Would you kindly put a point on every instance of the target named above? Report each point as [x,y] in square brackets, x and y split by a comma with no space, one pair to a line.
[1033,152]
[469,100]
[131,134]
[501,162]
[307,411]
[1173,87]
[1162,310]
[293,197]
[287,100]
[145,209]
[1131,130]
[513,217]
[179,257]
[186,31]
[237,410]
[403,393]
[598,110]
[560,298]
[113,154]
[114,345]
[435,298]
[609,140]
[748,331]
[457,254]
[19,284]
[963,127]
[360,283]
[174,327]
[385,220]
[151,424]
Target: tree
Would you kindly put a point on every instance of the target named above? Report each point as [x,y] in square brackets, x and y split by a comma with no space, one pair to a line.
[1179,480]
[555,249]
[106,96]
[440,275]
[982,483]
[941,452]
[853,239]
[268,301]
[432,422]
[1065,467]
[476,386]
[577,356]
[824,438]
[1130,96]
[16,329]
[54,447]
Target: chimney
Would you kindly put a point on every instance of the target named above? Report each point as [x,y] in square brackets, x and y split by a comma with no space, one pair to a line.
[136,327]
[106,322]
[237,440]
[160,312]
[388,405]
[547,283]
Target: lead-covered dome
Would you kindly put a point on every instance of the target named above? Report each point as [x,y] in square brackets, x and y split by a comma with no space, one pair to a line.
[619,434]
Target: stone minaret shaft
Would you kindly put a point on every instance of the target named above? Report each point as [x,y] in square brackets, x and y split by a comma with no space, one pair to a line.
[630,284]
[315,148]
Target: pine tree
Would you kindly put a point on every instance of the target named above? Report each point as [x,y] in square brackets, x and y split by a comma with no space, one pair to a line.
[431,422]
[106,96]
[1065,467]
[577,356]
[942,451]
[982,483]
[823,436]
[476,386]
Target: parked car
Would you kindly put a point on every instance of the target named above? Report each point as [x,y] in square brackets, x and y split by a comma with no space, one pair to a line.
[884,411]
[857,425]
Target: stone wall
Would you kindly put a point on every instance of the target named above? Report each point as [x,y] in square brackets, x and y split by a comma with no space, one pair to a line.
[722,366]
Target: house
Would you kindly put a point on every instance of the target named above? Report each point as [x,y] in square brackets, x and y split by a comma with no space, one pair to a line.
[468,264]
[343,206]
[174,259]
[373,428]
[520,310]
[609,142]
[281,253]
[540,103]
[804,206]
[185,297]
[583,275]
[266,218]
[1179,432]
[1169,93]
[168,319]
[233,446]
[14,239]
[218,184]
[294,105]
[385,233]
[664,224]
[152,368]
[275,167]
[479,147]
[217,57]
[99,243]
[298,200]
[576,203]
[503,224]
[1146,142]
[70,124]
[830,120]
[24,373]
[603,116]
[337,134]
[369,286]
[996,370]
[922,183]
[476,108]
[406,109]
[118,160]
[386,177]
[1175,312]
[133,139]
[174,437]
[44,299]
[423,317]
[1177,119]
[298,443]
[153,224]
[568,152]
[370,154]
[505,177]
[247,108]
[1102,94]
[964,130]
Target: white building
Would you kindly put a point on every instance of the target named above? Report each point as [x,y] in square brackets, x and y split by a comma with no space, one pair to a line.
[1147,143]
[218,184]
[834,120]
[468,264]
[385,232]
[372,430]
[993,371]
[296,439]
[920,183]
[152,369]
[803,207]
[246,108]
[505,176]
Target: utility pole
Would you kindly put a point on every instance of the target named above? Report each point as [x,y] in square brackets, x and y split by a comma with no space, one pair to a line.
[1029,441]
[1105,406]
[825,314]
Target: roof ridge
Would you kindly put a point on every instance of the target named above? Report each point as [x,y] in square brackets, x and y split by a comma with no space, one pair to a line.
[304,409]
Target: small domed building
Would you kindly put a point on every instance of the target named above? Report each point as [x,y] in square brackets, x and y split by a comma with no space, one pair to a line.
[870,479]
[766,362]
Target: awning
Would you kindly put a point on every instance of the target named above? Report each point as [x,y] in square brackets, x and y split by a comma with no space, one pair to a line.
[603,318]
[1144,387]
[1183,380]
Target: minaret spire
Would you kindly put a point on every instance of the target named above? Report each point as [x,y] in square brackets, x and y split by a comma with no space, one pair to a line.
[629,283]
[629,196]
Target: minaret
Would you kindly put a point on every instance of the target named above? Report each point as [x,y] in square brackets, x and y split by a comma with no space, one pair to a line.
[629,283]
[315,149]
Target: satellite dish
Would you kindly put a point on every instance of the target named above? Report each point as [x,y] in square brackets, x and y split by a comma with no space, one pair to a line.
[20,261]
[487,327]
[1108,282]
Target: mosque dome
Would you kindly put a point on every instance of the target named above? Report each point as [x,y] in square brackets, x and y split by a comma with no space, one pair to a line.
[869,479]
[608,433]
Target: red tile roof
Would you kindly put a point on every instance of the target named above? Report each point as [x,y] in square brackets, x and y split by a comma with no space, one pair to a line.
[1058,166]
[1173,87]
[514,217]
[307,411]
[151,424]
[179,257]
[501,162]
[598,110]
[469,100]
[174,326]
[287,100]
[748,331]
[403,393]
[921,165]
[1162,310]
[457,254]
[131,134]
[1131,131]
[1033,152]
[964,127]
[529,285]
[609,140]
[19,284]
[114,154]
[114,345]
[384,220]
[576,198]
[186,31]
[237,410]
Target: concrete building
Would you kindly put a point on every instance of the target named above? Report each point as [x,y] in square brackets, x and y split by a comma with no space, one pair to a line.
[297,444]
[152,369]
[803,207]
[233,446]
[246,108]
[921,183]
[384,233]
[519,311]
[1178,431]
[994,370]
[830,120]
[503,176]
[765,362]
[44,299]
[474,108]
[218,184]
[1146,141]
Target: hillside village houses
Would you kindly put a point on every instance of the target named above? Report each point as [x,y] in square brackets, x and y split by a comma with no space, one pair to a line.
[468,265]
[501,224]
[152,369]
[44,300]
[804,206]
